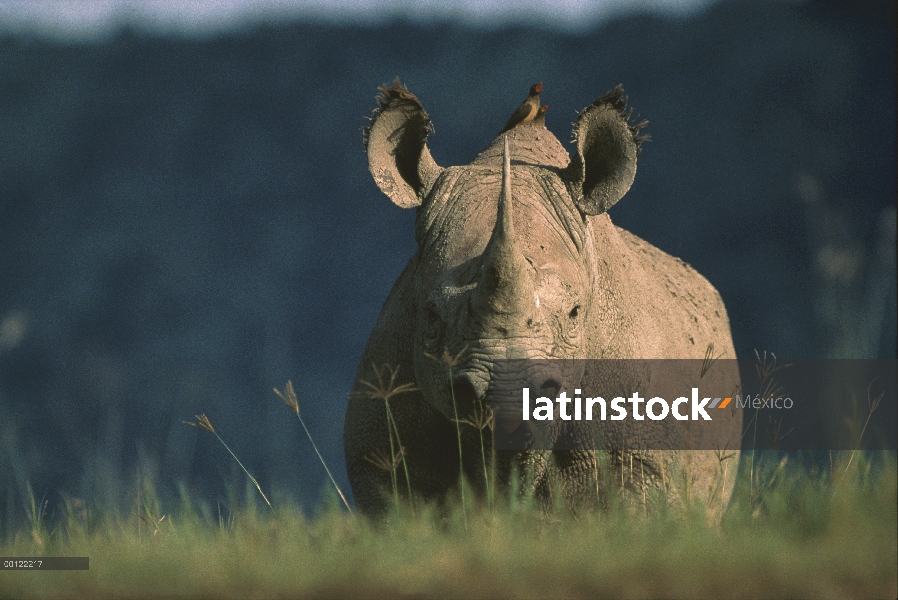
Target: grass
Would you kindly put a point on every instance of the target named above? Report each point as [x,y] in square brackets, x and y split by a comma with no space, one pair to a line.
[385,389]
[202,421]
[812,532]
[798,525]
[292,402]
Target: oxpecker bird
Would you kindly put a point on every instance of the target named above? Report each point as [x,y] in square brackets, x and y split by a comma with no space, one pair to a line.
[527,111]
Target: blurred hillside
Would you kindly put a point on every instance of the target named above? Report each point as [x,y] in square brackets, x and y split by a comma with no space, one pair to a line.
[185,224]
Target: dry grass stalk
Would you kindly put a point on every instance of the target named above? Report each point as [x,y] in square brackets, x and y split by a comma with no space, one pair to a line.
[385,389]
[37,512]
[774,432]
[450,362]
[709,360]
[447,359]
[290,399]
[872,404]
[723,461]
[202,421]
[388,463]
[482,418]
[765,368]
[380,460]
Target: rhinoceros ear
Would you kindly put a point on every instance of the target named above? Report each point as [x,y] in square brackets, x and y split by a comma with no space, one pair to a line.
[398,157]
[607,144]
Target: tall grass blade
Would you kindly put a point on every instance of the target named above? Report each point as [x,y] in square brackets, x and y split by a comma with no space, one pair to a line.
[290,399]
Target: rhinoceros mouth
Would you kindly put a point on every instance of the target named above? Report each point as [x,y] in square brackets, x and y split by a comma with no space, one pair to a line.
[498,405]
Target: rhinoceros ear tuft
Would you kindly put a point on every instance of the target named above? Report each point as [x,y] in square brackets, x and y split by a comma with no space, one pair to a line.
[398,157]
[607,144]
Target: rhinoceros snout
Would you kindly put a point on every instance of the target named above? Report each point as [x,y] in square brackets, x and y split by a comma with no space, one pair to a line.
[506,405]
[468,396]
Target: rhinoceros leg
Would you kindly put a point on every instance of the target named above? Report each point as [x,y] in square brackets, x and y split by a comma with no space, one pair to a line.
[428,443]
[428,438]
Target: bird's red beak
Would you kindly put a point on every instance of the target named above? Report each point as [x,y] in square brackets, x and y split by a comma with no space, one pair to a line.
[539,87]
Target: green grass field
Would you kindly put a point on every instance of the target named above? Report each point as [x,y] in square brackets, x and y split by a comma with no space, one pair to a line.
[825,533]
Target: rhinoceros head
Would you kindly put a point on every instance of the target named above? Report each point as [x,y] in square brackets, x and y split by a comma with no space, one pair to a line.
[504,264]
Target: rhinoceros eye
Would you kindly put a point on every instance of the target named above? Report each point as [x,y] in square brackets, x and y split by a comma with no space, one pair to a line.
[575,312]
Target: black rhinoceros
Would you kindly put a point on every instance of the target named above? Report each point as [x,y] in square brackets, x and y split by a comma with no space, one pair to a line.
[518,259]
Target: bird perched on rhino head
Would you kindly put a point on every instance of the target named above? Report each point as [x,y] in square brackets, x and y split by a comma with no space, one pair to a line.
[527,111]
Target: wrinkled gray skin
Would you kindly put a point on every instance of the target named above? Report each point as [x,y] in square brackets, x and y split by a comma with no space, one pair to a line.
[518,258]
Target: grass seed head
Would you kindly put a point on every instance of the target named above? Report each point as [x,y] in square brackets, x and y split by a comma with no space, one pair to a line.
[386,387]
[203,422]
[872,402]
[481,417]
[774,431]
[380,459]
[447,358]
[723,455]
[766,367]
[289,397]
[709,360]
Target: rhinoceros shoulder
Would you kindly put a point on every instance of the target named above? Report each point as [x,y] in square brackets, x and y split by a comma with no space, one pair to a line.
[389,346]
[391,338]
[680,285]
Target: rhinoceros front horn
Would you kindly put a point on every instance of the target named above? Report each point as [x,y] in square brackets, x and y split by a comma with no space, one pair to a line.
[604,167]
[504,288]
[398,158]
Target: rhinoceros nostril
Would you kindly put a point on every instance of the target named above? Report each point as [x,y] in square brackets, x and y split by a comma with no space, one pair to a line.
[549,388]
